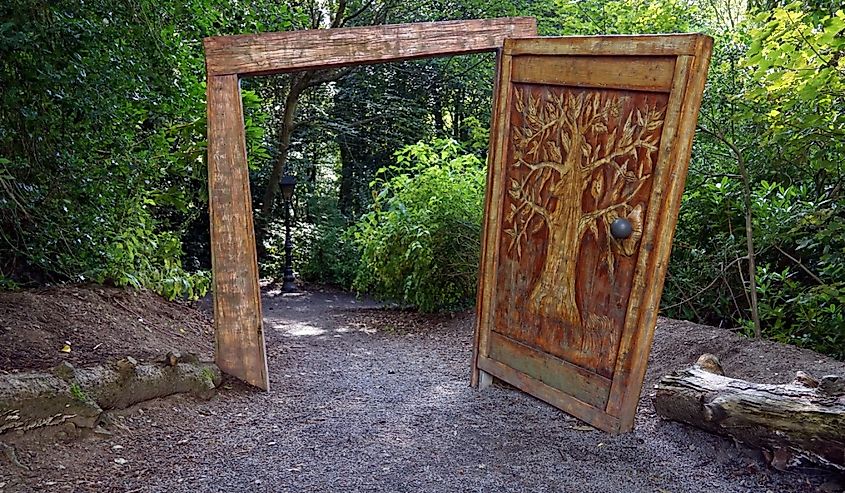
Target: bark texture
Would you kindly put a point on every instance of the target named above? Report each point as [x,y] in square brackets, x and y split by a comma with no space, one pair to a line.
[795,423]
[79,396]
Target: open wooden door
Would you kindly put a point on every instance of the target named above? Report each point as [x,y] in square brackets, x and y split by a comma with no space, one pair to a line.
[590,144]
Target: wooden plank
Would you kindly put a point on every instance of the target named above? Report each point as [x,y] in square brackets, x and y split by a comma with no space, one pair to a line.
[633,330]
[239,341]
[269,53]
[492,205]
[566,403]
[632,364]
[652,74]
[584,385]
[636,45]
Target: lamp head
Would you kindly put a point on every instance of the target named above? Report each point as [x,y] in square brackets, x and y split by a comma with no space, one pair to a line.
[287,184]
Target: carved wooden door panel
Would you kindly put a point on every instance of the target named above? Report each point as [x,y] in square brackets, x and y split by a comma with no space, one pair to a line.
[590,145]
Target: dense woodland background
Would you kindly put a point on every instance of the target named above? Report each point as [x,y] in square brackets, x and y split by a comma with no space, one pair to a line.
[103,171]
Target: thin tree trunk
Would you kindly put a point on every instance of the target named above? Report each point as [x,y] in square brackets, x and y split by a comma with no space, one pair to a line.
[749,227]
[803,421]
[298,84]
[347,162]
[749,242]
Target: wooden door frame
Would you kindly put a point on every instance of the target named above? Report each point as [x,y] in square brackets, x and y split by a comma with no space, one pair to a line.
[238,327]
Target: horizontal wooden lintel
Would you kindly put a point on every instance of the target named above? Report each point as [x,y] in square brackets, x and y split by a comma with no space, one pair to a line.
[618,45]
[268,53]
[633,73]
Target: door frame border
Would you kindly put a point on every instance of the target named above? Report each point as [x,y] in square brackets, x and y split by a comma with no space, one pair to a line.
[238,324]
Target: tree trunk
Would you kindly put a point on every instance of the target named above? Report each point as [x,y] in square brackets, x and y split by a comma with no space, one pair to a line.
[347,178]
[554,294]
[298,84]
[34,399]
[803,421]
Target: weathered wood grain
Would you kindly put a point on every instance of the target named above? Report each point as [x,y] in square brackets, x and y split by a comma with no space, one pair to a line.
[584,385]
[553,396]
[262,54]
[495,188]
[633,353]
[797,423]
[652,74]
[586,130]
[620,45]
[239,335]
[240,347]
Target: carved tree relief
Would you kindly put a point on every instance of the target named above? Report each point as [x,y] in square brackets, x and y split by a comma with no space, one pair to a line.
[578,160]
[590,144]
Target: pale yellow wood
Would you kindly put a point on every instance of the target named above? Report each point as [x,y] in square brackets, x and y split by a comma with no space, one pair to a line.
[257,54]
[652,74]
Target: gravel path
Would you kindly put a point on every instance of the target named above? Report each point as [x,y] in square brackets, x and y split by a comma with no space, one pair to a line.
[358,409]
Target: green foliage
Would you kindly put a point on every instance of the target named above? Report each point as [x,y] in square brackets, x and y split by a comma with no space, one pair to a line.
[323,251]
[618,16]
[102,136]
[77,393]
[420,243]
[103,167]
[774,100]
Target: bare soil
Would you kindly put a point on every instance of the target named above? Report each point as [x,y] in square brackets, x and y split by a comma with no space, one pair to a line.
[97,323]
[368,399]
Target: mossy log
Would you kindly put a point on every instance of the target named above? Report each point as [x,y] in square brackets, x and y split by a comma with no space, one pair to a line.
[793,423]
[79,396]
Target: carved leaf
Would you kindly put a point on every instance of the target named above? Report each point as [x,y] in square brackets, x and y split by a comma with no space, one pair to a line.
[598,185]
[629,245]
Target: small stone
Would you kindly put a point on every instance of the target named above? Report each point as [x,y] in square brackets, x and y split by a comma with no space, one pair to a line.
[65,371]
[189,358]
[127,365]
[120,460]
[99,430]
[832,385]
[710,363]
[805,379]
[172,358]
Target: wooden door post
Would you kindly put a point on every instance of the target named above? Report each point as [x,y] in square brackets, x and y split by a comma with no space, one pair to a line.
[239,334]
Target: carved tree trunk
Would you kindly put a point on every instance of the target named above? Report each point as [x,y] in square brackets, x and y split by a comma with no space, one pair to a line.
[792,423]
[554,294]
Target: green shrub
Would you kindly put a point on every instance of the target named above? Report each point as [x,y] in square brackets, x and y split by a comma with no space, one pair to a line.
[323,252]
[420,243]
[800,253]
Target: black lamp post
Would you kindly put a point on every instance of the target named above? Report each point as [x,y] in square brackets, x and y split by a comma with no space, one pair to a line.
[287,184]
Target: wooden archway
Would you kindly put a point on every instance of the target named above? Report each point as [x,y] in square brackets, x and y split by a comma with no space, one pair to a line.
[239,334]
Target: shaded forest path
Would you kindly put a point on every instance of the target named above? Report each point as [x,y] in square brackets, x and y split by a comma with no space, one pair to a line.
[366,399]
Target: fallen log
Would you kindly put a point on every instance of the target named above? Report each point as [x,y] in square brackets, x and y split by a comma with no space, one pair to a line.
[80,395]
[795,423]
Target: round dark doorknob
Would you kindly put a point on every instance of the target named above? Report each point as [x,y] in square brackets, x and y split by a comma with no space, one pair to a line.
[621,228]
